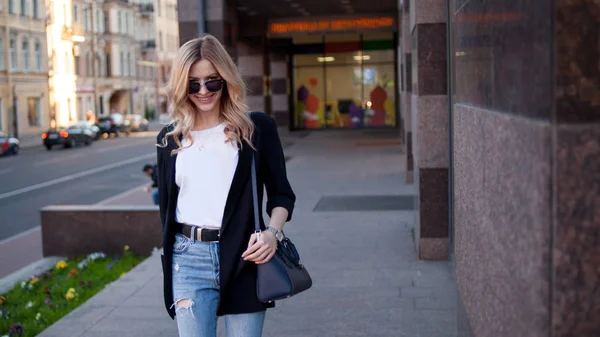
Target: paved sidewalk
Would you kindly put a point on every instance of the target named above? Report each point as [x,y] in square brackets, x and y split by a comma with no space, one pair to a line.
[360,252]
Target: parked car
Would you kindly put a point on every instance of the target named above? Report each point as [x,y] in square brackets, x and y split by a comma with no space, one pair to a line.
[94,128]
[137,122]
[8,145]
[114,124]
[70,137]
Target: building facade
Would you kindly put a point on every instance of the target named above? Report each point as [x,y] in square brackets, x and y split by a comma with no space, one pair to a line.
[497,105]
[24,93]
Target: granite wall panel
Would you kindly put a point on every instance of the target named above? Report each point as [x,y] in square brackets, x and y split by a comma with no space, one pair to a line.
[502,217]
[429,59]
[576,258]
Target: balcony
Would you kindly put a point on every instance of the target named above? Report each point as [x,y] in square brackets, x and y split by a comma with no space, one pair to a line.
[147,45]
[146,9]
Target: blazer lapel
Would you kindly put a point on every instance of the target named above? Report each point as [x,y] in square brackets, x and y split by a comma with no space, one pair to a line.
[240,179]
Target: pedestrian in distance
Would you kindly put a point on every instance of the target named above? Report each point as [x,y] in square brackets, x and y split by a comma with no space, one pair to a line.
[152,172]
[211,249]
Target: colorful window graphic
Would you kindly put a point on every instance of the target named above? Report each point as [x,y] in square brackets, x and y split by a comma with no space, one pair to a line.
[348,84]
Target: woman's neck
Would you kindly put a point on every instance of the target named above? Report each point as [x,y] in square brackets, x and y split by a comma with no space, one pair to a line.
[206,120]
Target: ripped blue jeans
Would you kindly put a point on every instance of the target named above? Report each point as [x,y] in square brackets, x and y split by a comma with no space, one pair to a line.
[196,293]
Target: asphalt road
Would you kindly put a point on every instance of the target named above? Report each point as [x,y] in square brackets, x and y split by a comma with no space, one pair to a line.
[79,176]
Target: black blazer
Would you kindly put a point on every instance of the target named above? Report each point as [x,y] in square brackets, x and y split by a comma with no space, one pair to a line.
[237,277]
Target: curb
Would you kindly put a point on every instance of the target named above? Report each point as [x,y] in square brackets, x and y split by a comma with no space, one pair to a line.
[25,273]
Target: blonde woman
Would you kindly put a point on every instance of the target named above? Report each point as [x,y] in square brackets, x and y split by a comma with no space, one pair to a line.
[205,195]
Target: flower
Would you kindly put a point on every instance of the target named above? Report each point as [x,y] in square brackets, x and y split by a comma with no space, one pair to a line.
[109,266]
[95,256]
[82,264]
[72,273]
[126,248]
[34,281]
[61,264]
[15,328]
[23,284]
[122,274]
[46,290]
[29,305]
[47,302]
[2,300]
[70,294]
[38,316]
[30,287]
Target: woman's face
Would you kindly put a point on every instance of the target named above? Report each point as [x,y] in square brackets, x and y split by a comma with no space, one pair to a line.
[205,100]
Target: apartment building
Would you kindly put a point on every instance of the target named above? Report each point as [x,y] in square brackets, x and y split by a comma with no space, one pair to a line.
[24,95]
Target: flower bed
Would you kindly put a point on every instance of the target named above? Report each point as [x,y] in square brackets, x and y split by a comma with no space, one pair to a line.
[33,305]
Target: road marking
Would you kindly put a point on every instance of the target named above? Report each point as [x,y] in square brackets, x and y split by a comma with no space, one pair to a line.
[58,159]
[76,175]
[121,195]
[8,170]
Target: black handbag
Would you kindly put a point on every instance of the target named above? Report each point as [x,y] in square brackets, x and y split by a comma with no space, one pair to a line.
[283,276]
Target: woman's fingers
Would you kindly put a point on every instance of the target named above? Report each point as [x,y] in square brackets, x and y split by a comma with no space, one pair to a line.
[253,245]
[268,258]
[260,254]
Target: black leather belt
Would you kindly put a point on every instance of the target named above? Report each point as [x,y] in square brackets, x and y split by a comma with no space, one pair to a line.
[200,234]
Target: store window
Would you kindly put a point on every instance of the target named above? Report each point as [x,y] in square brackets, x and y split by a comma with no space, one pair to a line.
[344,81]
[34,112]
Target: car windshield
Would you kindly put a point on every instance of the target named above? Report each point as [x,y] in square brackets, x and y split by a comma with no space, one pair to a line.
[73,127]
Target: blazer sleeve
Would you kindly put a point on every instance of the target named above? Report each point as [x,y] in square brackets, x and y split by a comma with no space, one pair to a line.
[279,191]
[161,181]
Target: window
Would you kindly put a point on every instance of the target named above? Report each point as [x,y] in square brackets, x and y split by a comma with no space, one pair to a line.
[77,65]
[98,21]
[86,19]
[1,56]
[159,40]
[158,7]
[119,19]
[122,64]
[34,111]
[129,65]
[75,13]
[108,71]
[36,9]
[11,6]
[13,54]
[105,22]
[24,7]
[38,56]
[126,23]
[25,52]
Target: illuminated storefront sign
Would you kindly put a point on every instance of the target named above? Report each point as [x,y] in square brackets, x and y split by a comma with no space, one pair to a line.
[293,27]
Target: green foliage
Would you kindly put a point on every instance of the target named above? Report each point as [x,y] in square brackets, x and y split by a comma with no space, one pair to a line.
[37,303]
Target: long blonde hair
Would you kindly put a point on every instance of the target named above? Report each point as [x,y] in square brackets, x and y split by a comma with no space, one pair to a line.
[234,111]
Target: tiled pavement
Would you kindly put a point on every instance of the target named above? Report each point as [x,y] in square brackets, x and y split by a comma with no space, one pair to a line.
[367,279]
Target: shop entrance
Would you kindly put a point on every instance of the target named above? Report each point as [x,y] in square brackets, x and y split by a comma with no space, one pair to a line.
[344,81]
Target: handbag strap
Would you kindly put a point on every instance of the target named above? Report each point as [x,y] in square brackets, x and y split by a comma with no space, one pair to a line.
[255,195]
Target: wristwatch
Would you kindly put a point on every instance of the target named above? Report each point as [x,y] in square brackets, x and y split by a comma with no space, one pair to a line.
[278,234]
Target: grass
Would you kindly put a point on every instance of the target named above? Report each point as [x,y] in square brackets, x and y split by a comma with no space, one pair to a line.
[35,304]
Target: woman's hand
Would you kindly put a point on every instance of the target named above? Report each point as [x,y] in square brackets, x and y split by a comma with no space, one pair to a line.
[261,250]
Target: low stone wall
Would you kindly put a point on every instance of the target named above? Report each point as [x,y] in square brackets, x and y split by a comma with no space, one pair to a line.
[79,230]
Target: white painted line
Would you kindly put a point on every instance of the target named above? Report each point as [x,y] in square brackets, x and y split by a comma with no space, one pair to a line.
[16,236]
[76,175]
[121,195]
[58,159]
[8,170]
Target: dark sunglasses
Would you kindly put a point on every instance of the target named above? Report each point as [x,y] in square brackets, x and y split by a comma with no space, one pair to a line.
[211,85]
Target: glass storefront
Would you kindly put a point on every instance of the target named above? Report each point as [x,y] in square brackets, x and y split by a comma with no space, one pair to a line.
[344,81]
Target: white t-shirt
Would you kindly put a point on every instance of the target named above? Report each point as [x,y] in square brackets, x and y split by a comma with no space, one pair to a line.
[204,173]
